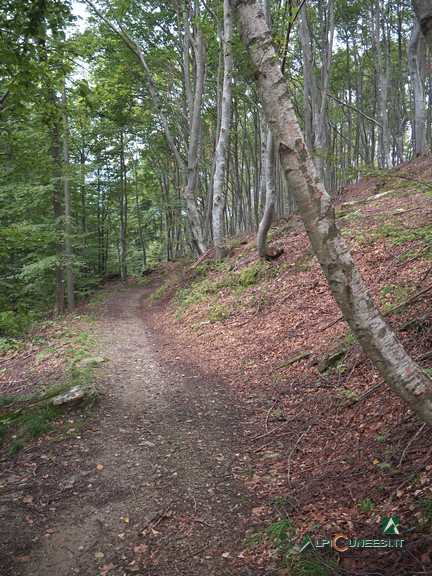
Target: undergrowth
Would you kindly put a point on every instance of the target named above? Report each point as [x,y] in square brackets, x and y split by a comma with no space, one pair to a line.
[29,412]
[219,278]
[287,545]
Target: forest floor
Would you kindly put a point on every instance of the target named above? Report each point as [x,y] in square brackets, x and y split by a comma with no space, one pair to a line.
[143,485]
[237,415]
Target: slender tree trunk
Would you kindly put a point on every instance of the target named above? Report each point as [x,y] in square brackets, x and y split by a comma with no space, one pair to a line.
[418,118]
[315,103]
[374,334]
[123,207]
[270,187]
[270,178]
[219,196]
[140,230]
[83,205]
[58,214]
[382,82]
[195,133]
[68,209]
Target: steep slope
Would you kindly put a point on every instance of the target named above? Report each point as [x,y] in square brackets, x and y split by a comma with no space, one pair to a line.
[335,450]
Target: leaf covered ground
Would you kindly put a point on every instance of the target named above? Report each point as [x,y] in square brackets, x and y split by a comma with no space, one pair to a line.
[334,450]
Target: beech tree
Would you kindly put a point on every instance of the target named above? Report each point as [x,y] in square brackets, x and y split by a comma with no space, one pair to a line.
[219,196]
[374,334]
[423,10]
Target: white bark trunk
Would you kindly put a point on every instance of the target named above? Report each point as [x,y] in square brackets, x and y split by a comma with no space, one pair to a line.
[270,178]
[195,132]
[218,216]
[375,335]
[270,199]
[318,98]
[418,119]
[382,80]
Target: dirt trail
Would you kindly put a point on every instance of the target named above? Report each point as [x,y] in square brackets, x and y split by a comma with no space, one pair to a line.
[147,485]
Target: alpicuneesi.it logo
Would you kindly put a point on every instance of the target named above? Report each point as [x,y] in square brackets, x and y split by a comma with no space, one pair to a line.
[341,542]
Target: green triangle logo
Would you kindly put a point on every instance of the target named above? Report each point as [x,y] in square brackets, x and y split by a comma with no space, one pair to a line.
[306,542]
[390,525]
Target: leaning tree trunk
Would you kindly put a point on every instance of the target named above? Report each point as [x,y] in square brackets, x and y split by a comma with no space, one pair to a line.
[375,335]
[190,169]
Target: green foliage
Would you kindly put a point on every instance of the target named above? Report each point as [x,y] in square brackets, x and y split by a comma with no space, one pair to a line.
[7,400]
[387,466]
[311,563]
[426,506]
[346,393]
[14,324]
[161,291]
[40,423]
[282,534]
[218,312]
[281,501]
[14,446]
[366,505]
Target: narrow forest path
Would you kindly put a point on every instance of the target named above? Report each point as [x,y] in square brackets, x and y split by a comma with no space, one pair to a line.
[147,485]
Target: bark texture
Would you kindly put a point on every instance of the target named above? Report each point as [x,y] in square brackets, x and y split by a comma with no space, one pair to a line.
[269,178]
[270,198]
[423,10]
[219,198]
[375,335]
[420,145]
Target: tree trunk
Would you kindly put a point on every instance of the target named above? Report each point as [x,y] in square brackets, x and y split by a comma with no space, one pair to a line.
[270,199]
[70,298]
[219,197]
[423,10]
[418,119]
[314,102]
[374,334]
[270,178]
[58,213]
[138,212]
[382,82]
[123,207]
[195,134]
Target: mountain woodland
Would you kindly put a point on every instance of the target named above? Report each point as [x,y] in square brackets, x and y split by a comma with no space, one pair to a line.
[137,133]
[262,169]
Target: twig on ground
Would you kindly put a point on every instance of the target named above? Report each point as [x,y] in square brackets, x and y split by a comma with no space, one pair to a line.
[410,442]
[292,452]
[276,429]
[417,295]
[247,321]
[407,480]
[161,513]
[268,414]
